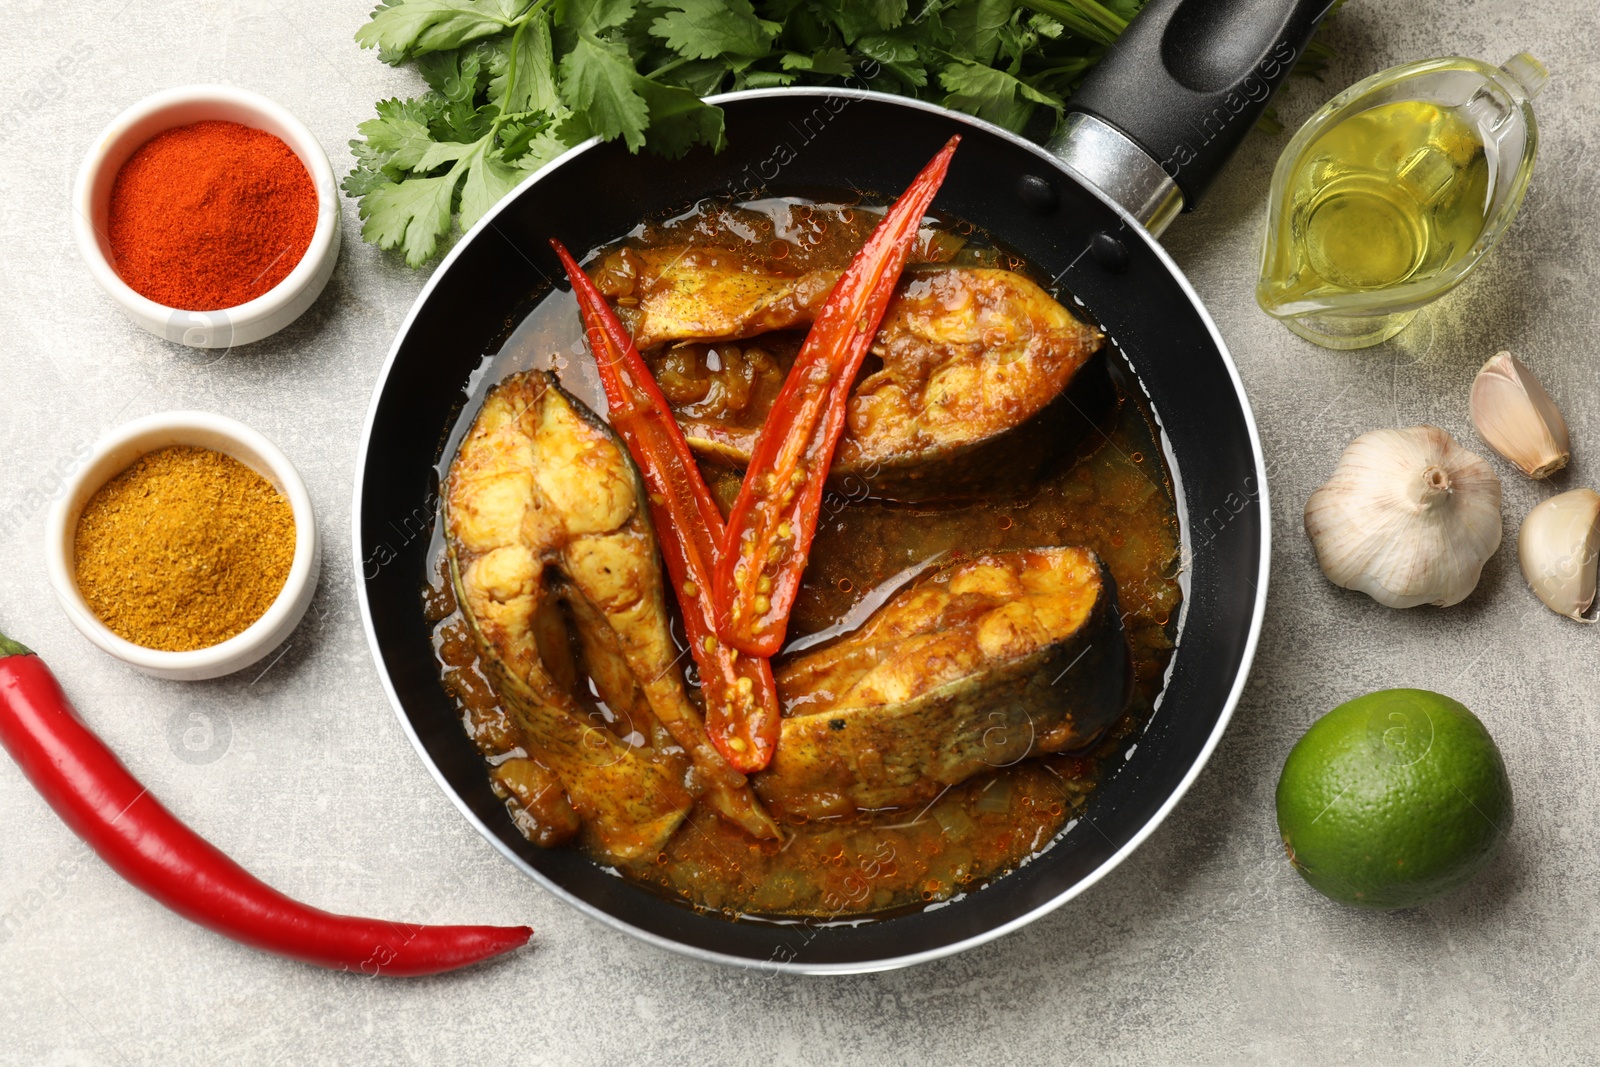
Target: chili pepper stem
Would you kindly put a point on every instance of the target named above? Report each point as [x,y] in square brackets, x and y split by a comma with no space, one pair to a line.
[9,647]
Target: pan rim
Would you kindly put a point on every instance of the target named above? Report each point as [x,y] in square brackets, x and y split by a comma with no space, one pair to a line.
[1236,691]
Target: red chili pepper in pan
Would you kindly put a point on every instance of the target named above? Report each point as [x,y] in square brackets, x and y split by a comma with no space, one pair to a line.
[775,516]
[106,806]
[741,698]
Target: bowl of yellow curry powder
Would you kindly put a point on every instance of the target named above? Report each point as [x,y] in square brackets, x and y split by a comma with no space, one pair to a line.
[185,546]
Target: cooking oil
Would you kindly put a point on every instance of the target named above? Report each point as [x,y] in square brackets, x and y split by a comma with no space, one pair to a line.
[1393,192]
[1391,195]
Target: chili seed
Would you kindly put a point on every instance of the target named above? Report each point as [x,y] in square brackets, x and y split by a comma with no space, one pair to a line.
[761,605]
[690,589]
[763,584]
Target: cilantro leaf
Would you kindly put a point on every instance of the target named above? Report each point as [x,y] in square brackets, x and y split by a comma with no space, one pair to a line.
[762,79]
[679,120]
[856,18]
[396,142]
[488,179]
[600,83]
[592,16]
[457,77]
[888,48]
[1045,26]
[414,27]
[519,137]
[887,13]
[825,61]
[441,152]
[991,94]
[393,143]
[411,215]
[709,29]
[453,75]
[525,78]
[363,179]
[701,76]
[976,27]
[541,149]
[421,109]
[900,57]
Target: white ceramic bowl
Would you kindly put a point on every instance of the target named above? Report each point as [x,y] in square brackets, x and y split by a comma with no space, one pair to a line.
[112,455]
[91,201]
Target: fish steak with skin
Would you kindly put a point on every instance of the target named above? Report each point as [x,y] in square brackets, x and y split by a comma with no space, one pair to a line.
[980,664]
[557,570]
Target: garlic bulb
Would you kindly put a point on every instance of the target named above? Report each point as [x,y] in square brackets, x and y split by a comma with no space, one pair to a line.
[1558,547]
[1517,418]
[1409,517]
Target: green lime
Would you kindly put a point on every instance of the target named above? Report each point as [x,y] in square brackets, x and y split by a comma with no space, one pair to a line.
[1393,798]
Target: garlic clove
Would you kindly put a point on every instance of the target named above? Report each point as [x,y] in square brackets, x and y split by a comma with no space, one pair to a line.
[1559,546]
[1409,517]
[1517,418]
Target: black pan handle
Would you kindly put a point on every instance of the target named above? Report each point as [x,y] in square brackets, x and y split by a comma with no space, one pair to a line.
[1184,83]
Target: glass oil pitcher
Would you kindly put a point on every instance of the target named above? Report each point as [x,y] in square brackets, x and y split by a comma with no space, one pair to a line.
[1391,194]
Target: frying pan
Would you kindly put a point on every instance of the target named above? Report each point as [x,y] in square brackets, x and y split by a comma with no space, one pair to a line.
[1146,135]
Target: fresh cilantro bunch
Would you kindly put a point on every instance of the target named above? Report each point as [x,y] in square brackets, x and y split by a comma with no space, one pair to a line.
[514,83]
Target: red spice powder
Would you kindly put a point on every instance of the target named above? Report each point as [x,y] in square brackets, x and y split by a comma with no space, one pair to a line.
[210,215]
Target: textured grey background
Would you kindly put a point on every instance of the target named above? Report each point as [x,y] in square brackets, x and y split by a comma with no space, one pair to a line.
[1203,948]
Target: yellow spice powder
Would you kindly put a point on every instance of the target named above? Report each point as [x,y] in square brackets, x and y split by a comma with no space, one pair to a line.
[184,549]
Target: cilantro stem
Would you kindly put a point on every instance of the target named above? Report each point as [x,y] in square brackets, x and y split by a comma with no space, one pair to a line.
[512,66]
[1069,69]
[1085,17]
[511,71]
[1102,14]
[667,67]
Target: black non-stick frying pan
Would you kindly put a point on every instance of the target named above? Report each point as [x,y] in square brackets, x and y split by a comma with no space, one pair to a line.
[1147,134]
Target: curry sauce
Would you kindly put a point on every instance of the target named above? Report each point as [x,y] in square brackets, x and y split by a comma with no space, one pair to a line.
[1105,488]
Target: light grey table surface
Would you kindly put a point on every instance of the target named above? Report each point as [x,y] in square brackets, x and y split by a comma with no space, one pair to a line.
[1204,947]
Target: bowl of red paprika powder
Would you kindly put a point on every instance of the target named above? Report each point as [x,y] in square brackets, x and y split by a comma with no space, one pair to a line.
[209,214]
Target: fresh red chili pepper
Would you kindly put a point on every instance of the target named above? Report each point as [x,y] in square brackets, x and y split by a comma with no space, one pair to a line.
[105,805]
[742,717]
[775,515]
